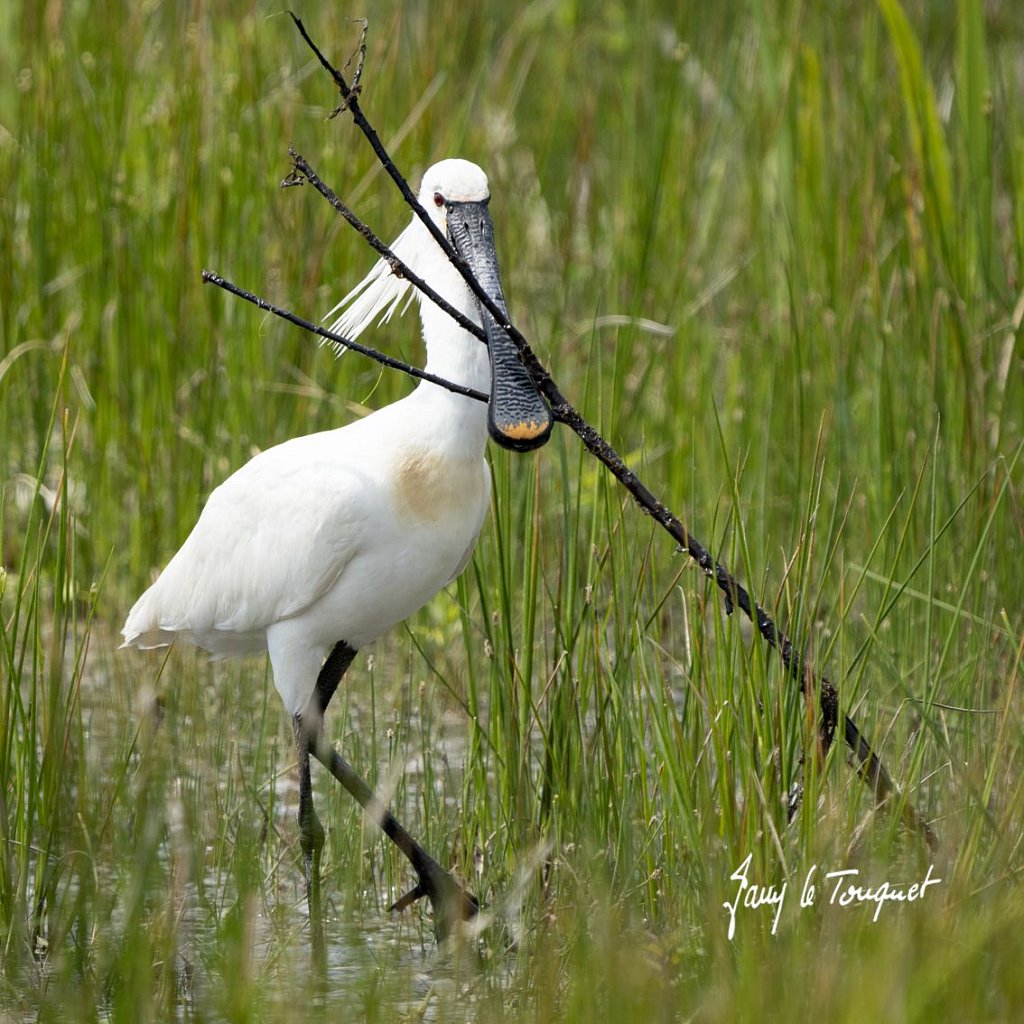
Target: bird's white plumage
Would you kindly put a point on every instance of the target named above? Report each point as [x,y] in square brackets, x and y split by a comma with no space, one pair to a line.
[341,534]
[379,293]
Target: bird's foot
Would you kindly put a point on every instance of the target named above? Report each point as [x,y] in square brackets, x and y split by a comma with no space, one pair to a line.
[451,903]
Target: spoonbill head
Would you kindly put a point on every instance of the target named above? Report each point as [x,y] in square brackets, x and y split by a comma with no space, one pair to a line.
[455,194]
[320,544]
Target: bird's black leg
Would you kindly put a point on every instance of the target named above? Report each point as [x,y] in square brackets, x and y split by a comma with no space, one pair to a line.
[311,832]
[451,903]
[309,734]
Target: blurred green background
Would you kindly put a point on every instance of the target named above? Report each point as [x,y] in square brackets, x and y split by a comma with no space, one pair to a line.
[773,252]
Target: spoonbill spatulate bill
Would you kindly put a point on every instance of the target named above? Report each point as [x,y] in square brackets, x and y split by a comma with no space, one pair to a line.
[319,545]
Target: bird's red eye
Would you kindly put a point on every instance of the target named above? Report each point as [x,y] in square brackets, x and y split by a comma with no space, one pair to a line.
[438,199]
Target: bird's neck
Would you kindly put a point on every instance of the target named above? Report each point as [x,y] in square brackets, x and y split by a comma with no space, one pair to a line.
[456,355]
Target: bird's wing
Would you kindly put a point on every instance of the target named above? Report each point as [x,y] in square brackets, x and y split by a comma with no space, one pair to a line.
[270,541]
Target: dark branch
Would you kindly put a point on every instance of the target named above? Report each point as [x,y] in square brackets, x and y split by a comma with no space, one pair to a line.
[395,364]
[869,765]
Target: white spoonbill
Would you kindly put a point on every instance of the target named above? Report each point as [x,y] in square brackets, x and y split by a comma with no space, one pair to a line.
[319,545]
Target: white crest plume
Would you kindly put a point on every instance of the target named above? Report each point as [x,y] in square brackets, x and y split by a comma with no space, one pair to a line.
[380,292]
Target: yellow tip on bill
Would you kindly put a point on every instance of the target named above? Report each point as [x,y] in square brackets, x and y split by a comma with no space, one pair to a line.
[524,431]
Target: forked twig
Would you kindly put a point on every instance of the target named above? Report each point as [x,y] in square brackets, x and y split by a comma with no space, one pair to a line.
[360,58]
